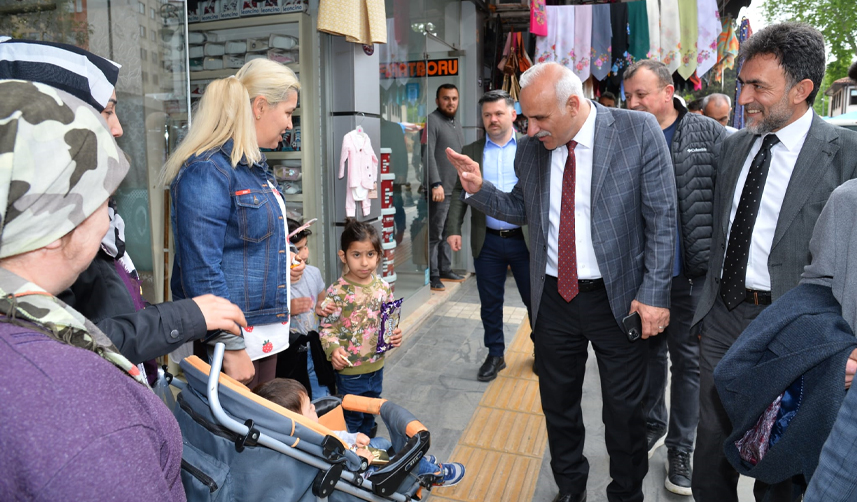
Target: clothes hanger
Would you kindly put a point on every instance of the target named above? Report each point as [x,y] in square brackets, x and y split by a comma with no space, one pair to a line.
[359,128]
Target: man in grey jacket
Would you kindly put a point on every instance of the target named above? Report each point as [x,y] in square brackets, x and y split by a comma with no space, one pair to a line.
[694,142]
[444,131]
[775,177]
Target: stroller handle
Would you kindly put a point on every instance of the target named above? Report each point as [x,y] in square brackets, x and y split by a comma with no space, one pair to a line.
[264,440]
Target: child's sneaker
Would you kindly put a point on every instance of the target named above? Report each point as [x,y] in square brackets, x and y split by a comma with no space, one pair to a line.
[431,459]
[451,473]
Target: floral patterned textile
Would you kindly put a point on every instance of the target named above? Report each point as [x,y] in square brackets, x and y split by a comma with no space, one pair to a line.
[601,35]
[670,35]
[355,323]
[709,29]
[538,18]
[558,46]
[582,41]
[653,17]
[689,35]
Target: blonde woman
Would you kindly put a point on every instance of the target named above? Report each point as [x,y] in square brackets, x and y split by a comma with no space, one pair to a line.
[228,217]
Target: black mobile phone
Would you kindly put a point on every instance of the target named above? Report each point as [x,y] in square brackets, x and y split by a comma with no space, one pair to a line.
[633,326]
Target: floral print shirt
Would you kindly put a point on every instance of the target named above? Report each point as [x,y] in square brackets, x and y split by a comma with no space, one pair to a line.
[355,323]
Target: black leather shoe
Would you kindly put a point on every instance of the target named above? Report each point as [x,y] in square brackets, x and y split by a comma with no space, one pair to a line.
[535,369]
[490,368]
[567,497]
[452,276]
[436,285]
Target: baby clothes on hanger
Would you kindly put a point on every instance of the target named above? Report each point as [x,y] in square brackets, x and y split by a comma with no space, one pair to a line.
[362,170]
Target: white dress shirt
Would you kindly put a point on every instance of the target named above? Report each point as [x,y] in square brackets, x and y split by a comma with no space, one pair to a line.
[783,158]
[587,265]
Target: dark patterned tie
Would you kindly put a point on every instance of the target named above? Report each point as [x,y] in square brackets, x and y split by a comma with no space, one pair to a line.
[732,288]
[567,248]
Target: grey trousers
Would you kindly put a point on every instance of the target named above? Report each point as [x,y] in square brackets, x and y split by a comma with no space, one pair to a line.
[440,255]
[684,356]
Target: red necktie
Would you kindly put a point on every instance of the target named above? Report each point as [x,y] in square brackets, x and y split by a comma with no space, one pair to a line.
[567,249]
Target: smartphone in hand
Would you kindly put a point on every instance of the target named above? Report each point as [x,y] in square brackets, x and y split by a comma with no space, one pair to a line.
[633,326]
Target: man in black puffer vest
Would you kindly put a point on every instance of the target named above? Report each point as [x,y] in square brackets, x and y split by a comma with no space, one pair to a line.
[694,143]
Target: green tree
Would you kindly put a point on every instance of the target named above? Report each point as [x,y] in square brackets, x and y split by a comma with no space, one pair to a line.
[835,19]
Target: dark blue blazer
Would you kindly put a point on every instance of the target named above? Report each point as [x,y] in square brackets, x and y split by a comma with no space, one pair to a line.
[801,334]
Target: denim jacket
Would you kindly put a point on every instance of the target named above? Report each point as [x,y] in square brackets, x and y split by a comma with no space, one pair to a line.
[229,237]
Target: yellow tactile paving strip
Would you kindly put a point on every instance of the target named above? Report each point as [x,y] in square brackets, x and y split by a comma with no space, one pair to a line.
[505,440]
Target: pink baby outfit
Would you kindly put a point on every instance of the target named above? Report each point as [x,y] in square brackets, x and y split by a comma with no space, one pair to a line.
[362,170]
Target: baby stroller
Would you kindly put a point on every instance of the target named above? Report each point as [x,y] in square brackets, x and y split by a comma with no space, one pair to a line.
[239,446]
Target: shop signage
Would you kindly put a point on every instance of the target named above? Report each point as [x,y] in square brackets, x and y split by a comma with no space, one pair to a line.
[422,68]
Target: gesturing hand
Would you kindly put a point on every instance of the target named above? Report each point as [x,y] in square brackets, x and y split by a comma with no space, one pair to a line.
[468,171]
[220,313]
[655,319]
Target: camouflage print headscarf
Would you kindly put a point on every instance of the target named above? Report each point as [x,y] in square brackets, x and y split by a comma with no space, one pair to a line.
[58,164]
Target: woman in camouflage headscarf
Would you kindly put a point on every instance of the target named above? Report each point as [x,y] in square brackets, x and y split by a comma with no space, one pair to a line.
[78,422]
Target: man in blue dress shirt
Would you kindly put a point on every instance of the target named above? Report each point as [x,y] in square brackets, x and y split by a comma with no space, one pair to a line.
[497,245]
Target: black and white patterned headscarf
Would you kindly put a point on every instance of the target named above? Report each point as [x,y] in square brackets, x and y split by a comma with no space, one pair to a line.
[71,69]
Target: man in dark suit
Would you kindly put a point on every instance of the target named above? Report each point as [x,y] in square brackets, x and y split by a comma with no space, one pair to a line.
[775,178]
[597,190]
[496,245]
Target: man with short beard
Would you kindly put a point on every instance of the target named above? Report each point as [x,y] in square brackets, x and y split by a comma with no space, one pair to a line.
[444,131]
[775,178]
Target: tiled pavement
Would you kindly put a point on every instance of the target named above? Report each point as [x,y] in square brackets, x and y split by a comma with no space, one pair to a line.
[434,376]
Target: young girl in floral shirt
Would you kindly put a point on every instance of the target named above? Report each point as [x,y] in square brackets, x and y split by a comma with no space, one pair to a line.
[350,334]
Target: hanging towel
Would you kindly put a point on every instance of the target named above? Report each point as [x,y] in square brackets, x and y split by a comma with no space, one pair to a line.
[709,29]
[558,46]
[727,48]
[359,21]
[582,41]
[601,34]
[653,16]
[619,41]
[689,35]
[670,34]
[744,33]
[538,18]
[638,30]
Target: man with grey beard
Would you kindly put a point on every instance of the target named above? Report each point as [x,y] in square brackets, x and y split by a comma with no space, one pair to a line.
[775,178]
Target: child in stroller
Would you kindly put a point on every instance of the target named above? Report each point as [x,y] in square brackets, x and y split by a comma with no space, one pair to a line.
[292,395]
[239,446]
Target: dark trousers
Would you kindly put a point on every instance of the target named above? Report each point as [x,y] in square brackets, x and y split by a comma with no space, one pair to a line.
[563,331]
[684,358]
[440,255]
[714,478]
[496,256]
[368,385]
